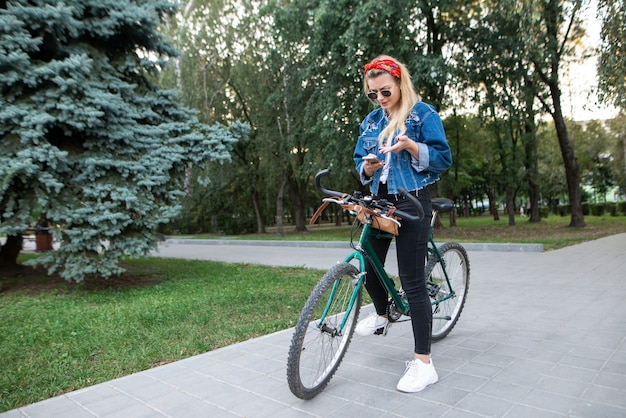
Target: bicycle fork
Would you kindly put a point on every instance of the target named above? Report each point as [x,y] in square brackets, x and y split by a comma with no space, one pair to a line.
[357,282]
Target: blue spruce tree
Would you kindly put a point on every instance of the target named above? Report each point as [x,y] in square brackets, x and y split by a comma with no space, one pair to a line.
[85,137]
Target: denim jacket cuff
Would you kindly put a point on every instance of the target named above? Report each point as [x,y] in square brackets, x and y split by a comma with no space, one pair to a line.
[365,180]
[423,162]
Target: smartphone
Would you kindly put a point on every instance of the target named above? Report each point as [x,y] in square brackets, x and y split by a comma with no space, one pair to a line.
[371,157]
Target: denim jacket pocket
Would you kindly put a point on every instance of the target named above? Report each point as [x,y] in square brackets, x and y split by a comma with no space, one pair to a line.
[414,131]
[370,145]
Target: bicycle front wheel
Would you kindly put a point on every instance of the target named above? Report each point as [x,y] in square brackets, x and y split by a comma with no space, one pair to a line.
[447,295]
[324,331]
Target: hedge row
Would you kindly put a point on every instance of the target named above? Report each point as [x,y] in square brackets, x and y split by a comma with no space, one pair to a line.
[594,209]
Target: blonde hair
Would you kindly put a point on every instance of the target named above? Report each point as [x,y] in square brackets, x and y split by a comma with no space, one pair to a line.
[408,99]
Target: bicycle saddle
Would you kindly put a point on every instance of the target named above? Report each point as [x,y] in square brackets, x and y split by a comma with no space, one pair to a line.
[442,205]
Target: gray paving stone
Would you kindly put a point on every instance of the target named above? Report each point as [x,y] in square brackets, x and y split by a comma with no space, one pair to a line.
[535,340]
[55,407]
[524,411]
[506,391]
[616,367]
[595,410]
[549,401]
[611,380]
[480,370]
[607,396]
[198,408]
[575,374]
[488,406]
[464,381]
[417,407]
[562,387]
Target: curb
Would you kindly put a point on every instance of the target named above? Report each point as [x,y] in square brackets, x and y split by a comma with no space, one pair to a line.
[529,248]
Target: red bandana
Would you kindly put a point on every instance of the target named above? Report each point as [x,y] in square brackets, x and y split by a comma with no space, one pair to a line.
[389,66]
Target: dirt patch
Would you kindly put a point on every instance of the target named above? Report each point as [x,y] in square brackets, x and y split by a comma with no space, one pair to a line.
[35,280]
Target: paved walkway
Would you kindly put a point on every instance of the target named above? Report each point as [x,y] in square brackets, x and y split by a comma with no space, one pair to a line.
[543,334]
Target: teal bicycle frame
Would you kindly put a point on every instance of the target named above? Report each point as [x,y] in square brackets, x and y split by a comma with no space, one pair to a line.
[364,247]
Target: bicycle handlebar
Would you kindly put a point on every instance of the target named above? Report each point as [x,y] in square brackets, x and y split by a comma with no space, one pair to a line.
[318,184]
[370,201]
[420,209]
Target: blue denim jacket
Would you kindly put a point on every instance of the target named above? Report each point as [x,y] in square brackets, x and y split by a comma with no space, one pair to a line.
[423,126]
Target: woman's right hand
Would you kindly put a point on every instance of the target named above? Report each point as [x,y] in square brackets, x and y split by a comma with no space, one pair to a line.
[371,166]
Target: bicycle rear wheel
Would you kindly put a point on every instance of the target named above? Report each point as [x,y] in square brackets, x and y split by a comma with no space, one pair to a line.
[323,332]
[447,296]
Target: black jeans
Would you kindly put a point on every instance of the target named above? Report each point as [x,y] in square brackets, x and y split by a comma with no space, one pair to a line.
[411,248]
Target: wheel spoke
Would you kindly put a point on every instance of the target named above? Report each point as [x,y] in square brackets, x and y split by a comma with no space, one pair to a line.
[447,295]
[323,332]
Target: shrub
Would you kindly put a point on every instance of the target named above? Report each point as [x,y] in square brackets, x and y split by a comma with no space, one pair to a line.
[597,209]
[586,208]
[611,208]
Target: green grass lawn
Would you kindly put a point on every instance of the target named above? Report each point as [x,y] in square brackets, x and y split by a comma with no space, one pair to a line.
[553,232]
[57,337]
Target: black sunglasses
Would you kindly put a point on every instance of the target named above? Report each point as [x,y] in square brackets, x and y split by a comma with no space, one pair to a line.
[373,95]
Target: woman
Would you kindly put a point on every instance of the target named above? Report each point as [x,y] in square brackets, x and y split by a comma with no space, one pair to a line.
[408,139]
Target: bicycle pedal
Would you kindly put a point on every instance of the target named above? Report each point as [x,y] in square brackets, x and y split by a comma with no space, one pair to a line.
[383,330]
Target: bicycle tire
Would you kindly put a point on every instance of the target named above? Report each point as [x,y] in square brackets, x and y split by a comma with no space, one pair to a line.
[316,351]
[447,312]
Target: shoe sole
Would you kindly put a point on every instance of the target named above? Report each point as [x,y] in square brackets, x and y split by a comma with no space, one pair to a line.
[416,390]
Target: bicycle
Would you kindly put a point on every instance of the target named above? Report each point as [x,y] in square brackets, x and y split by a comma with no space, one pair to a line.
[327,321]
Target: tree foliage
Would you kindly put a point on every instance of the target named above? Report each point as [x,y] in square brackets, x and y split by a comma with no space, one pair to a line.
[293,69]
[87,137]
[612,62]
[517,54]
[298,66]
[559,26]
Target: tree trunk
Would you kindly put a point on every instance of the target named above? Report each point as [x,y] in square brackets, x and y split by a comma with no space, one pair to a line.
[493,206]
[457,138]
[257,211]
[9,252]
[452,217]
[532,175]
[531,157]
[491,194]
[572,174]
[297,190]
[510,205]
[533,193]
[337,211]
[280,209]
[466,206]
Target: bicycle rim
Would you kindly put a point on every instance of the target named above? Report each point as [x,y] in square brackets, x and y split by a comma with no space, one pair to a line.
[447,296]
[323,332]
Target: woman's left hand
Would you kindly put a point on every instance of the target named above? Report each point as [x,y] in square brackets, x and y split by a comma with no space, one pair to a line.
[403,142]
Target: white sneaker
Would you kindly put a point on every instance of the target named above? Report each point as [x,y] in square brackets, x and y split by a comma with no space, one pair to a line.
[373,324]
[417,376]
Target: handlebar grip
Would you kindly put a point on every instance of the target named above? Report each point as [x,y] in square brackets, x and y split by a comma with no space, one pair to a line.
[420,210]
[318,184]
[402,190]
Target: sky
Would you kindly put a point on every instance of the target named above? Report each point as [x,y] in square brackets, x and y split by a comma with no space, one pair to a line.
[578,82]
